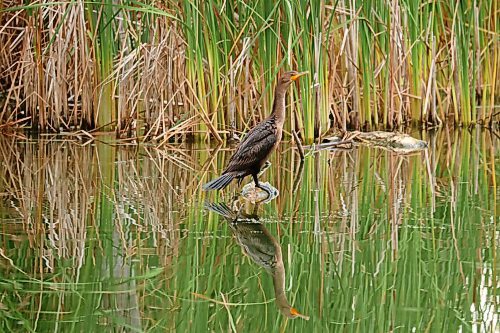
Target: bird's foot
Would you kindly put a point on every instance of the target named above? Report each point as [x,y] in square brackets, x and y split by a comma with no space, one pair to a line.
[263,193]
[265,199]
[271,191]
[265,189]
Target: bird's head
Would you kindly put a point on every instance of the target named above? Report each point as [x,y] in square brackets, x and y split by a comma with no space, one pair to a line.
[288,77]
[292,313]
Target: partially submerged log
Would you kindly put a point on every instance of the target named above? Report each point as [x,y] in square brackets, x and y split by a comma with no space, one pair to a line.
[398,142]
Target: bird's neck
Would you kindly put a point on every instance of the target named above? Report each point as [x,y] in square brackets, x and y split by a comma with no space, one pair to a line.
[279,284]
[279,105]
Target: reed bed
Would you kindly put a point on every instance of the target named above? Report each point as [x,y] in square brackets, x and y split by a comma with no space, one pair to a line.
[177,69]
[96,236]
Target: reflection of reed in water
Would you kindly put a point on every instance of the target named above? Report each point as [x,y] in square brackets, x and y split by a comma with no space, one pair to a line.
[48,187]
[262,248]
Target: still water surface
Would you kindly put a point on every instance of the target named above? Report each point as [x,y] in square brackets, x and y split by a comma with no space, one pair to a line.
[97,236]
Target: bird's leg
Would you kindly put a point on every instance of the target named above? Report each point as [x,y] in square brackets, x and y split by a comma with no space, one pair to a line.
[266,165]
[256,180]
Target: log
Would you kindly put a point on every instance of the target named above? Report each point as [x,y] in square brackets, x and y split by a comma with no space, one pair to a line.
[398,142]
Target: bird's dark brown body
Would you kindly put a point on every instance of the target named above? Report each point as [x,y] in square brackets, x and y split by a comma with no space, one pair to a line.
[260,141]
[256,148]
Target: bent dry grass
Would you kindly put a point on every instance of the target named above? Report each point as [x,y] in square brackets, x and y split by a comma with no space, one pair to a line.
[208,67]
[98,236]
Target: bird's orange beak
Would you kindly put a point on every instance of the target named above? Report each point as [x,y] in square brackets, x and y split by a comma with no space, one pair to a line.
[296,76]
[294,311]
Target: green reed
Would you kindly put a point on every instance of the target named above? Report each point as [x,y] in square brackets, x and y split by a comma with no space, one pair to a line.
[103,16]
[209,67]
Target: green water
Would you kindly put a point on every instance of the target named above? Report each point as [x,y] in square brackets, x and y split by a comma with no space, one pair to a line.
[97,236]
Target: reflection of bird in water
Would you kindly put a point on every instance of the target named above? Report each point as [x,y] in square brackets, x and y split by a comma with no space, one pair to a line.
[262,248]
[259,143]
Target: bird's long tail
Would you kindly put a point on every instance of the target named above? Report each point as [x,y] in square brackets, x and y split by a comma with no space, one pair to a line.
[219,183]
[221,209]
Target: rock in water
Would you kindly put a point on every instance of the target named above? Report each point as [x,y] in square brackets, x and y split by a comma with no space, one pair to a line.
[256,195]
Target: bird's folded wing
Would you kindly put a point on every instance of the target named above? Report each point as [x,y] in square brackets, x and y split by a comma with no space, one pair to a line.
[256,146]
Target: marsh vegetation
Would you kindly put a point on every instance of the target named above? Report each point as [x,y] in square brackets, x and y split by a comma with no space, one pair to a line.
[104,225]
[171,69]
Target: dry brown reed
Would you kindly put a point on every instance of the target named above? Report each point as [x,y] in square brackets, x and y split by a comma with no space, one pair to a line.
[180,69]
[48,67]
